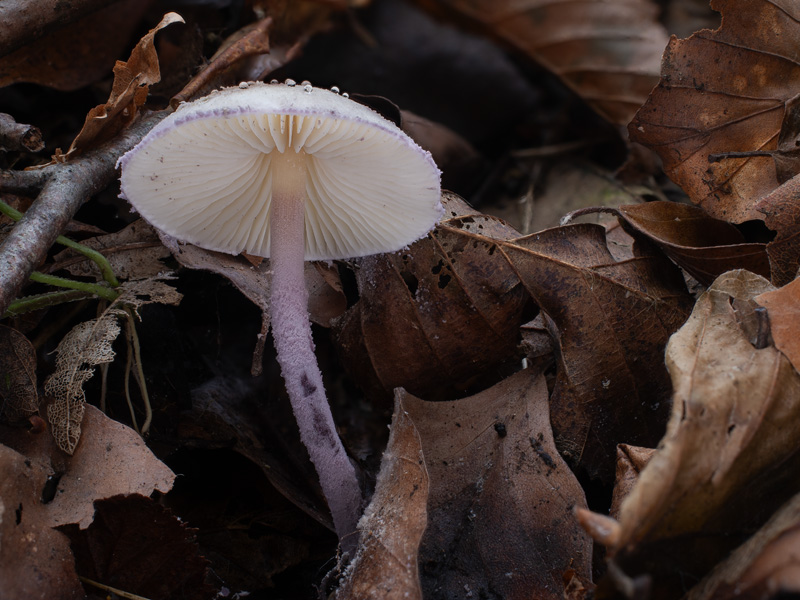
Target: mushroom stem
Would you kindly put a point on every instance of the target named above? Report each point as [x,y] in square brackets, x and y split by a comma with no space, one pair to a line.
[291,331]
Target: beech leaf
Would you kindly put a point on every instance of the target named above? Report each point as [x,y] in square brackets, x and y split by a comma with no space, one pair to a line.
[500,509]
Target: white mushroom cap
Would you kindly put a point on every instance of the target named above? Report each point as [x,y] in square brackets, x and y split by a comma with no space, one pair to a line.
[203,174]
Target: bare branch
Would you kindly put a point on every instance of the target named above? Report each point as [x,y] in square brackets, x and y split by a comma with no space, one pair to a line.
[16,136]
[68,186]
[23,21]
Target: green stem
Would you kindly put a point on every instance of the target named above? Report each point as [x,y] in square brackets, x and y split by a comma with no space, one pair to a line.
[91,288]
[39,301]
[90,253]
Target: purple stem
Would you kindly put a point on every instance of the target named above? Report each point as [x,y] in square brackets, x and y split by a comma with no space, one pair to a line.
[291,331]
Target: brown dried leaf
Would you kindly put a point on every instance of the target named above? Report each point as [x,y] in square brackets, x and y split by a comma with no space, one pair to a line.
[385,566]
[783,308]
[111,459]
[18,393]
[87,345]
[608,52]
[730,452]
[138,546]
[500,519]
[725,91]
[437,317]
[78,54]
[611,321]
[781,210]
[705,247]
[630,462]
[135,252]
[766,566]
[132,81]
[35,561]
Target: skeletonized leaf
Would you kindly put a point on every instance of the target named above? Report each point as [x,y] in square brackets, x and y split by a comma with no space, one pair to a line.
[17,376]
[87,345]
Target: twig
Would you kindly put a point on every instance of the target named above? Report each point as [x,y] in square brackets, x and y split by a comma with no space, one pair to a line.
[133,341]
[27,20]
[67,187]
[108,588]
[90,253]
[16,136]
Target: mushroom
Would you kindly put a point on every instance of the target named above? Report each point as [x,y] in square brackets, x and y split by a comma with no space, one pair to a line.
[292,173]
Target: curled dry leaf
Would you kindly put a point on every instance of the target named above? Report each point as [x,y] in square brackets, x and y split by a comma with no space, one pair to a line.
[611,321]
[385,566]
[132,80]
[500,520]
[35,561]
[435,317]
[608,52]
[781,210]
[87,345]
[730,452]
[765,566]
[704,246]
[630,462]
[18,392]
[725,91]
[783,308]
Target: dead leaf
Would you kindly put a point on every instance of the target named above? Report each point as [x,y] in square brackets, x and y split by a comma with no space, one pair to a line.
[135,252]
[730,451]
[78,54]
[132,80]
[35,561]
[87,345]
[765,566]
[705,247]
[138,546]
[385,566]
[630,462]
[783,308]
[610,320]
[725,91]
[607,52]
[781,210]
[111,459]
[18,393]
[500,519]
[437,318]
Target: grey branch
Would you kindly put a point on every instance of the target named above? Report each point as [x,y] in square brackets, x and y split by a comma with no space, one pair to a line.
[16,136]
[66,186]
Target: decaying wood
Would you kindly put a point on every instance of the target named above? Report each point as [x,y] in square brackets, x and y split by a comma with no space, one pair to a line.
[65,187]
[17,136]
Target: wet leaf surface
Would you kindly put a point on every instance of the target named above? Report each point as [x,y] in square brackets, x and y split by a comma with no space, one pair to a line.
[501,498]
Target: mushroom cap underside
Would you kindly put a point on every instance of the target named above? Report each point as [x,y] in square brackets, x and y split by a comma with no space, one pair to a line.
[204,174]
